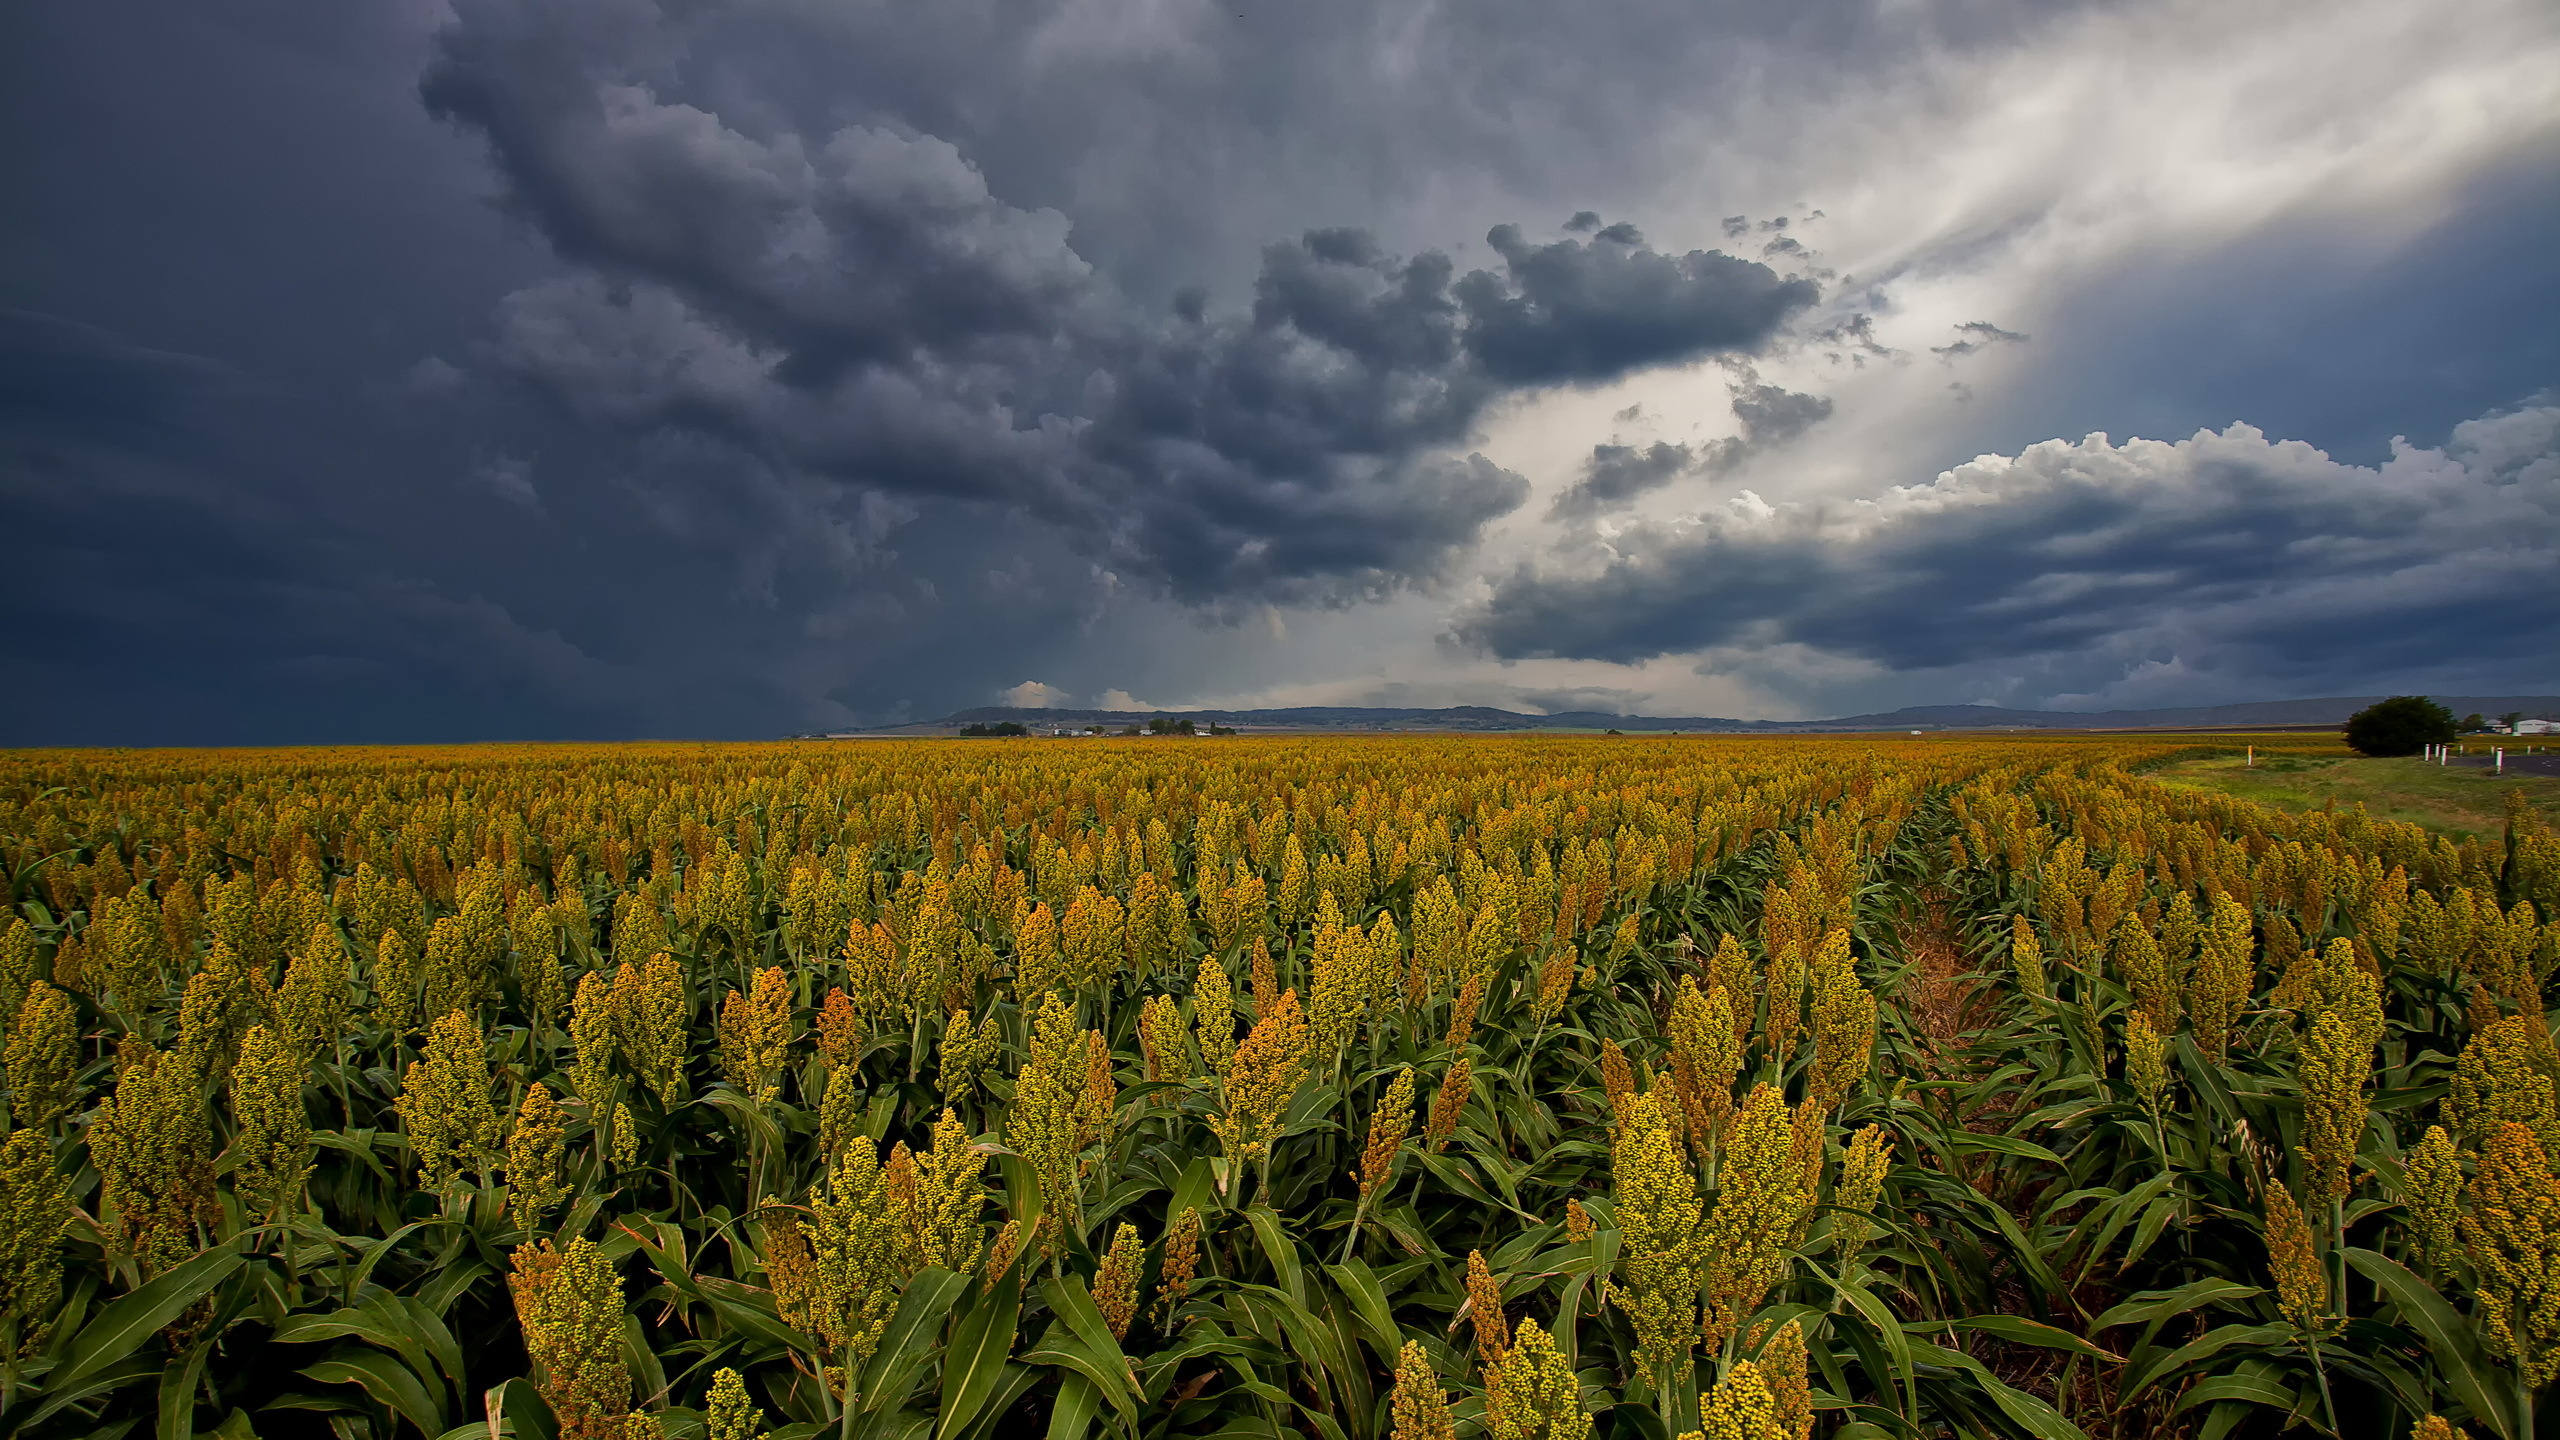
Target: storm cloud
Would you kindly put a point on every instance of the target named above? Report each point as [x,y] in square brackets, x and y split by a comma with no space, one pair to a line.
[859,304]
[456,368]
[2226,548]
[1617,475]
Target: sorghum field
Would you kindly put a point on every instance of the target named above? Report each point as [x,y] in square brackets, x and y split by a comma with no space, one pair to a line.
[1524,1087]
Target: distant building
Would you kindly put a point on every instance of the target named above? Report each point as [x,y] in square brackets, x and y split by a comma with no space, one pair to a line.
[2537,727]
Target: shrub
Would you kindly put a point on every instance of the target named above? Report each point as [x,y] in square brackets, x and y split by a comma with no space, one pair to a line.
[2401,725]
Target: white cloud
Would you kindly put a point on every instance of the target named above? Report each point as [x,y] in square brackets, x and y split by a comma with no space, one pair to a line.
[1035,695]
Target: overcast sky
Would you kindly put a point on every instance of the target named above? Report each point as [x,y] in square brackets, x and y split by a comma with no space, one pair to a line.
[413,370]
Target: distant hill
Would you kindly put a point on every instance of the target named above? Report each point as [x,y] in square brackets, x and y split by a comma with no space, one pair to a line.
[2259,715]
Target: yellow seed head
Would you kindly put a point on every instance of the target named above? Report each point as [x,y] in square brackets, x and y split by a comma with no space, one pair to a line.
[1485,1313]
[1577,1223]
[1844,1022]
[1741,1407]
[732,1414]
[1533,1395]
[1419,1406]
[755,1036]
[43,1057]
[1160,1040]
[2335,1062]
[853,1243]
[2510,1226]
[2499,1079]
[2302,1285]
[314,1001]
[1449,1103]
[1181,1262]
[624,1140]
[2145,972]
[1261,1079]
[591,1031]
[2223,977]
[967,1053]
[569,1306]
[1659,1217]
[2026,956]
[1462,1011]
[1862,1173]
[444,1103]
[1388,1126]
[153,1146]
[1115,1282]
[649,1014]
[1784,1367]
[2433,1194]
[34,1208]
[1761,1201]
[1213,1014]
[950,1203]
[395,983]
[1006,1248]
[1044,1123]
[271,1139]
[534,1149]
[2145,1061]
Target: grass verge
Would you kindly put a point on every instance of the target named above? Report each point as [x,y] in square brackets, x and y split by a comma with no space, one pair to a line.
[2461,802]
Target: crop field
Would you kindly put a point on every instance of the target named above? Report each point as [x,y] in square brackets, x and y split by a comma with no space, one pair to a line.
[1530,1088]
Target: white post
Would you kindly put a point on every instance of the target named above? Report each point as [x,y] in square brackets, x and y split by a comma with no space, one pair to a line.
[2502,760]
[2250,763]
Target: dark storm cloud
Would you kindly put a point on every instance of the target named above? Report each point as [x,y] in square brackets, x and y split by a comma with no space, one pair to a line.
[1770,415]
[860,305]
[1576,311]
[61,381]
[830,360]
[1976,335]
[1617,474]
[2217,549]
[1773,415]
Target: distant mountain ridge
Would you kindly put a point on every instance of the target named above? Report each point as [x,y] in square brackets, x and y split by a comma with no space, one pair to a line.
[2255,714]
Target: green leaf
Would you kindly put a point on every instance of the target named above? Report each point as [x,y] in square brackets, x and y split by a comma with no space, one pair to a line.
[2253,1389]
[907,1339]
[1898,1345]
[383,1377]
[1074,1307]
[1282,1251]
[1368,1300]
[2039,1418]
[1965,1142]
[2020,1331]
[178,1393]
[1080,1361]
[2154,1305]
[2142,1377]
[1078,1403]
[2449,1338]
[123,1327]
[524,1410]
[976,1360]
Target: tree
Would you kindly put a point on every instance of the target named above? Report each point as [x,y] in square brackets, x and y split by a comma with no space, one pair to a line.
[2472,724]
[2401,725]
[2509,720]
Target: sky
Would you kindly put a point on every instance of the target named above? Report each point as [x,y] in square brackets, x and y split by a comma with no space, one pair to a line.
[464,370]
